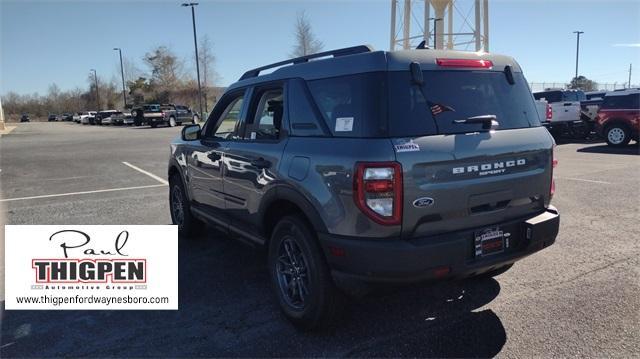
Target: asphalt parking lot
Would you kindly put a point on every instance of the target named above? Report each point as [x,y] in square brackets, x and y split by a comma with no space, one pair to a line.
[577,298]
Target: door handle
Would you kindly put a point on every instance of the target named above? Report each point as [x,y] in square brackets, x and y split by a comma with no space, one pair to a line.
[260,163]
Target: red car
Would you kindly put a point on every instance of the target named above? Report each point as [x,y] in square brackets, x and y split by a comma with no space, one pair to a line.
[618,119]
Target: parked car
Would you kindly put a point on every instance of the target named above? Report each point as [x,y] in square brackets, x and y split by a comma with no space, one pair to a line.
[88,118]
[566,119]
[357,166]
[66,117]
[52,117]
[25,118]
[618,119]
[104,117]
[120,118]
[77,117]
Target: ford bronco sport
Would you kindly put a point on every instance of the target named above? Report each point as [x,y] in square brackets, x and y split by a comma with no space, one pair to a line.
[618,119]
[357,166]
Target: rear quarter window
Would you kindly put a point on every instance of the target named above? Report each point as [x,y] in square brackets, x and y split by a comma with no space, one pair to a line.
[352,106]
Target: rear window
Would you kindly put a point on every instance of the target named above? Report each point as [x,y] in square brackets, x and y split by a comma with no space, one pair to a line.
[458,95]
[550,96]
[151,107]
[622,102]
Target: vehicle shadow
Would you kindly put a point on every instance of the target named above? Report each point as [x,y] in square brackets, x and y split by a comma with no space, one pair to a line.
[632,149]
[227,309]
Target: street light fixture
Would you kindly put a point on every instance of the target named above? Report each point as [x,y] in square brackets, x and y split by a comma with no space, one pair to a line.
[195,43]
[95,78]
[435,39]
[577,49]
[124,95]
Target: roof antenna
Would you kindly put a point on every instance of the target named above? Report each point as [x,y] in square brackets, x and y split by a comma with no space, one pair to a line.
[422,45]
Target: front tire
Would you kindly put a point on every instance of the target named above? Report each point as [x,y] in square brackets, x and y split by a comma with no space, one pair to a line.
[180,209]
[300,276]
[617,135]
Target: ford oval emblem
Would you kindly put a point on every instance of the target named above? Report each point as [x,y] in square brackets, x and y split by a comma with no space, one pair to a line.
[423,202]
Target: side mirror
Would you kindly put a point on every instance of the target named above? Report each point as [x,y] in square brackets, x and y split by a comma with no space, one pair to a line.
[191,132]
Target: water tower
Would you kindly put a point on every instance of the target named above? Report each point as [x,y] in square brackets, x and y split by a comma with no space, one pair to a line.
[412,22]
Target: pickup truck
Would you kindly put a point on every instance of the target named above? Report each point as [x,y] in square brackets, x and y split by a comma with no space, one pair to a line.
[165,114]
[566,112]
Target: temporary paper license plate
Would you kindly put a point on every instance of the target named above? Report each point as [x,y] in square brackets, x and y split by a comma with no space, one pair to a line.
[489,241]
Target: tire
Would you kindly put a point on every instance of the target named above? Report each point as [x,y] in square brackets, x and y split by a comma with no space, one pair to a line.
[295,256]
[172,122]
[180,209]
[617,135]
[196,119]
[153,125]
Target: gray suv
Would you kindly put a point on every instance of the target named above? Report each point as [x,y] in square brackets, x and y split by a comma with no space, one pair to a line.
[356,166]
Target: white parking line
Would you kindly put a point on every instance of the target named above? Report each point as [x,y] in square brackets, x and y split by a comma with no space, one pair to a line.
[583,180]
[159,179]
[77,193]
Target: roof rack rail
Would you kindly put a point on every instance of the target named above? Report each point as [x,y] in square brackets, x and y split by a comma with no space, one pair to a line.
[335,53]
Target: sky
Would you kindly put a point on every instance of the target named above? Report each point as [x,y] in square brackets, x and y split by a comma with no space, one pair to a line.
[46,42]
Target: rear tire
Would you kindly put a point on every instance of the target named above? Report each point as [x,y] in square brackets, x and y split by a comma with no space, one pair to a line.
[617,135]
[180,209]
[300,276]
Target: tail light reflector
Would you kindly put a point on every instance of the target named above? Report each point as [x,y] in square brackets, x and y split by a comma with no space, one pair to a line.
[378,191]
[549,112]
[485,64]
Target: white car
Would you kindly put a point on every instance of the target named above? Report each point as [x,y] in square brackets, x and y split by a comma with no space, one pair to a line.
[88,117]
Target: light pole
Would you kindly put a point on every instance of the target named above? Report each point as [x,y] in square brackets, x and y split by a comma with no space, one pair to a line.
[195,43]
[124,94]
[435,31]
[577,48]
[95,78]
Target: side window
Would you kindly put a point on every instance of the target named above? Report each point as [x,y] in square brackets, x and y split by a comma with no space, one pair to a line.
[227,123]
[268,116]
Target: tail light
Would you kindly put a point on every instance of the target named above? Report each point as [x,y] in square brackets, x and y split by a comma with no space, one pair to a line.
[378,191]
[549,112]
[485,64]
[554,164]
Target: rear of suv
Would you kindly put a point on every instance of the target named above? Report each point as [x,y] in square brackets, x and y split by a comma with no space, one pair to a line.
[367,166]
[618,119]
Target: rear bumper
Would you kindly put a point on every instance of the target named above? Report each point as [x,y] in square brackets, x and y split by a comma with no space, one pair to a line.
[450,255]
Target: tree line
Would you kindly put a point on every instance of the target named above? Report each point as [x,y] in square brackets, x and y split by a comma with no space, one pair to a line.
[164,79]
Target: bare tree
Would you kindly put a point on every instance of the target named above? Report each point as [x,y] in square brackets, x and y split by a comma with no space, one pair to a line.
[207,60]
[306,42]
[166,71]
[131,70]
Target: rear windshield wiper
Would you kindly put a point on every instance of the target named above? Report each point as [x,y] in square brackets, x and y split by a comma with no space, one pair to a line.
[487,121]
